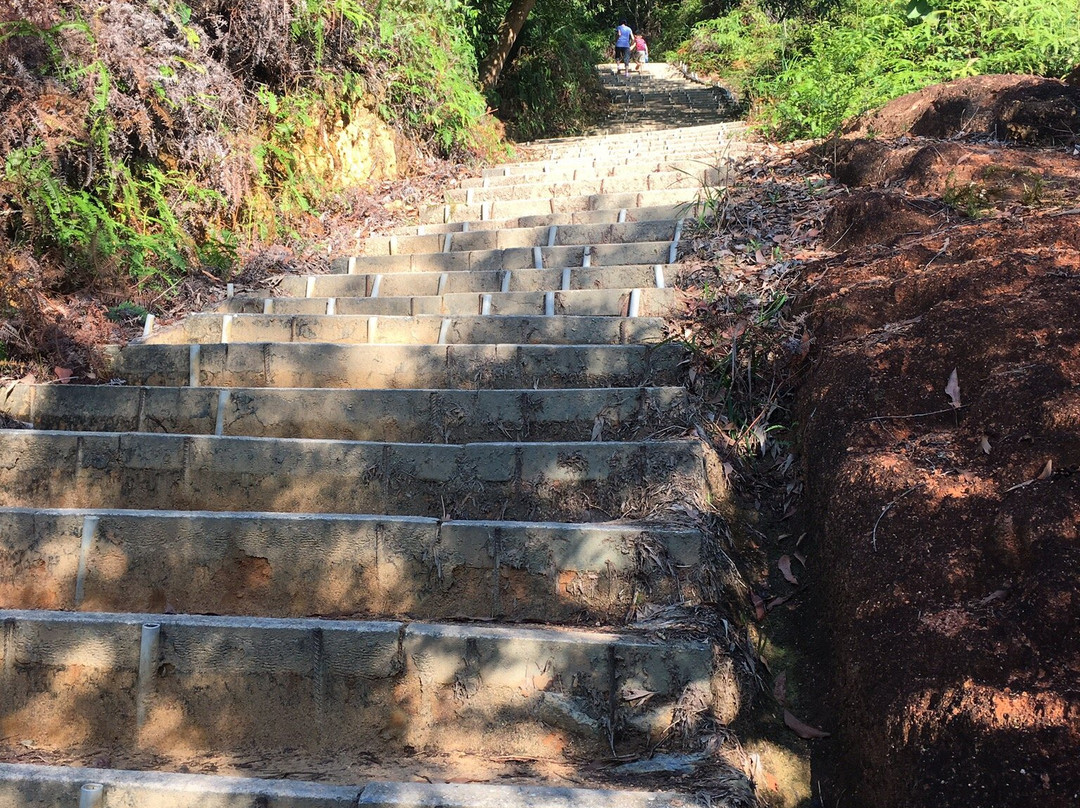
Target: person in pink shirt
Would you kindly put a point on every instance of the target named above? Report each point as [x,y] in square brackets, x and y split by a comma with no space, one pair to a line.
[640,52]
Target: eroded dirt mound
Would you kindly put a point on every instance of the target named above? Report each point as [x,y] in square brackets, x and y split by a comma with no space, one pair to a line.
[1026,109]
[969,176]
[951,533]
[945,509]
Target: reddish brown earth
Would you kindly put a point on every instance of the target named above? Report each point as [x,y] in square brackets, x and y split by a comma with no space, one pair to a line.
[944,530]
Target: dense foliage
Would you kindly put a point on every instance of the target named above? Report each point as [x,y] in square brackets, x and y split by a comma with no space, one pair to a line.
[152,138]
[804,76]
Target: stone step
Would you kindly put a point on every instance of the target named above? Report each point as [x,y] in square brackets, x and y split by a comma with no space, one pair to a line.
[544,236]
[399,366]
[567,481]
[517,208]
[386,321]
[207,684]
[406,416]
[297,565]
[691,161]
[657,181]
[433,284]
[573,306]
[642,252]
[674,211]
[36,786]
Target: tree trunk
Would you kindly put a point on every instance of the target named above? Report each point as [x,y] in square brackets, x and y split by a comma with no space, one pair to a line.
[509,29]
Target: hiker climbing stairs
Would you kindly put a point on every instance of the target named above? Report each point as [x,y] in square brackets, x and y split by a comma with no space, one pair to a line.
[382,536]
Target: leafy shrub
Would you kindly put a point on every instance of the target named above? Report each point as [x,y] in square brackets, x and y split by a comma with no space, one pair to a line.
[127,312]
[867,52]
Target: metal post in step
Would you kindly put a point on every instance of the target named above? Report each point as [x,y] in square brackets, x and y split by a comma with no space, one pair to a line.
[485,305]
[89,533]
[673,250]
[309,290]
[659,273]
[586,257]
[222,405]
[504,287]
[226,329]
[372,329]
[549,304]
[352,265]
[553,232]
[444,329]
[565,279]
[447,240]
[268,305]
[148,326]
[444,278]
[194,352]
[635,303]
[376,283]
[331,305]
[538,258]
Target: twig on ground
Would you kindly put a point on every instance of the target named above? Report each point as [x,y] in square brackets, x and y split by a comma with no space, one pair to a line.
[915,415]
[885,509]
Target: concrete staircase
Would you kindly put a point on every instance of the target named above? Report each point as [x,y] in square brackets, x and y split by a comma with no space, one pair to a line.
[384,538]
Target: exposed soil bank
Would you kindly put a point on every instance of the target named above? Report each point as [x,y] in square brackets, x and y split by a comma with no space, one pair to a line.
[946,517]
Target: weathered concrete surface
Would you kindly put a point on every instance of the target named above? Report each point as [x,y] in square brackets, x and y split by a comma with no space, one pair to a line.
[399,367]
[645,252]
[30,786]
[266,564]
[540,236]
[95,469]
[228,683]
[404,321]
[406,416]
[429,284]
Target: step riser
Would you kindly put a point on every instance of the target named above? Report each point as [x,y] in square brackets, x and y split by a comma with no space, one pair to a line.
[588,307]
[398,367]
[426,284]
[513,209]
[218,684]
[691,161]
[391,328]
[646,252]
[660,181]
[682,210]
[504,239]
[364,566]
[404,416]
[31,786]
[474,481]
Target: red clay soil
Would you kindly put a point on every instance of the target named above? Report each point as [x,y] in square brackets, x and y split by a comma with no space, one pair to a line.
[946,517]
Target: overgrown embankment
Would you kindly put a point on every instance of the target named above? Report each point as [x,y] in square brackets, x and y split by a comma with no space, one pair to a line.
[802,69]
[145,145]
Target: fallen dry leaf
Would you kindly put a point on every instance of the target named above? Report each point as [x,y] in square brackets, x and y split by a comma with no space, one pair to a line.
[1047,470]
[640,696]
[597,428]
[785,568]
[759,606]
[63,374]
[984,444]
[802,729]
[779,688]
[780,601]
[952,389]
